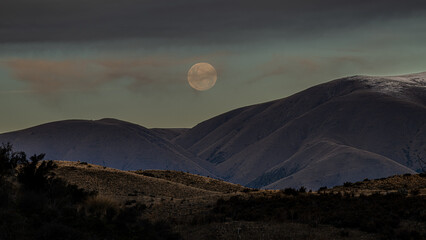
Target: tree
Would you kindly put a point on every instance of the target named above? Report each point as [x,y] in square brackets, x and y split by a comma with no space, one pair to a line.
[35,175]
[32,173]
[9,160]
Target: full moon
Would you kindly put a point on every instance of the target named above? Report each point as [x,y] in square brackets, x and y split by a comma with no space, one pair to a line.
[202,76]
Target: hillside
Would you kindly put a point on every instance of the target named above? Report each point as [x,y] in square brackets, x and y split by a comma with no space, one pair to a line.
[120,184]
[168,133]
[344,130]
[78,200]
[106,142]
[196,206]
[407,183]
[192,180]
[169,194]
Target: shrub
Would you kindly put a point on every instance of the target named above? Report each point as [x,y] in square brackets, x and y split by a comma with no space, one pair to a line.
[34,175]
[344,233]
[101,207]
[9,160]
[375,213]
[415,192]
[347,184]
[290,191]
[54,231]
[31,202]
[149,174]
[46,207]
[409,235]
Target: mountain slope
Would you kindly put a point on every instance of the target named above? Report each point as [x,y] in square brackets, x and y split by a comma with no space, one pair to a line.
[106,142]
[168,133]
[343,130]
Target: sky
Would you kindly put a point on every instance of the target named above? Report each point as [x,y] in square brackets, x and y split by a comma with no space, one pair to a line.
[128,59]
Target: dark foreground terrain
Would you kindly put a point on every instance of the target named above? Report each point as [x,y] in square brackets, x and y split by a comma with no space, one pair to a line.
[75,200]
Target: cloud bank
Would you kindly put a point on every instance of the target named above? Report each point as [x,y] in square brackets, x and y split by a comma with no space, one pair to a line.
[190,21]
[50,77]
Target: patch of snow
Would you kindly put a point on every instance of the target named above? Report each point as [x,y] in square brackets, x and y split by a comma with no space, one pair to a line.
[394,85]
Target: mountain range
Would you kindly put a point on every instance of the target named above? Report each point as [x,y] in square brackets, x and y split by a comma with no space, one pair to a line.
[344,130]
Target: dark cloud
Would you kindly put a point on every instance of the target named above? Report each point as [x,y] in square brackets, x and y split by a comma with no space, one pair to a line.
[188,20]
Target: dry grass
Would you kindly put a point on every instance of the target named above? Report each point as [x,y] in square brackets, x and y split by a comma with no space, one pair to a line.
[100,206]
[123,185]
[192,180]
[182,198]
[171,195]
[411,184]
[176,200]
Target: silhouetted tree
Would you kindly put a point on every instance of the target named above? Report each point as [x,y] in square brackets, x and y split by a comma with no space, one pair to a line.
[34,174]
[45,207]
[9,159]
[290,191]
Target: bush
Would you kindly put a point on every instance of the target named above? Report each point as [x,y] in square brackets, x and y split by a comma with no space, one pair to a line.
[35,175]
[54,231]
[101,207]
[9,160]
[290,191]
[347,184]
[45,207]
[415,192]
[375,213]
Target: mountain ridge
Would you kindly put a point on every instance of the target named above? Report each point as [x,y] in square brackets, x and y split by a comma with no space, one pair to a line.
[358,123]
[110,142]
[352,89]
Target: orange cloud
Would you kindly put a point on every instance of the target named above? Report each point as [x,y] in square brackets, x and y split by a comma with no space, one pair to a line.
[46,76]
[53,76]
[50,76]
